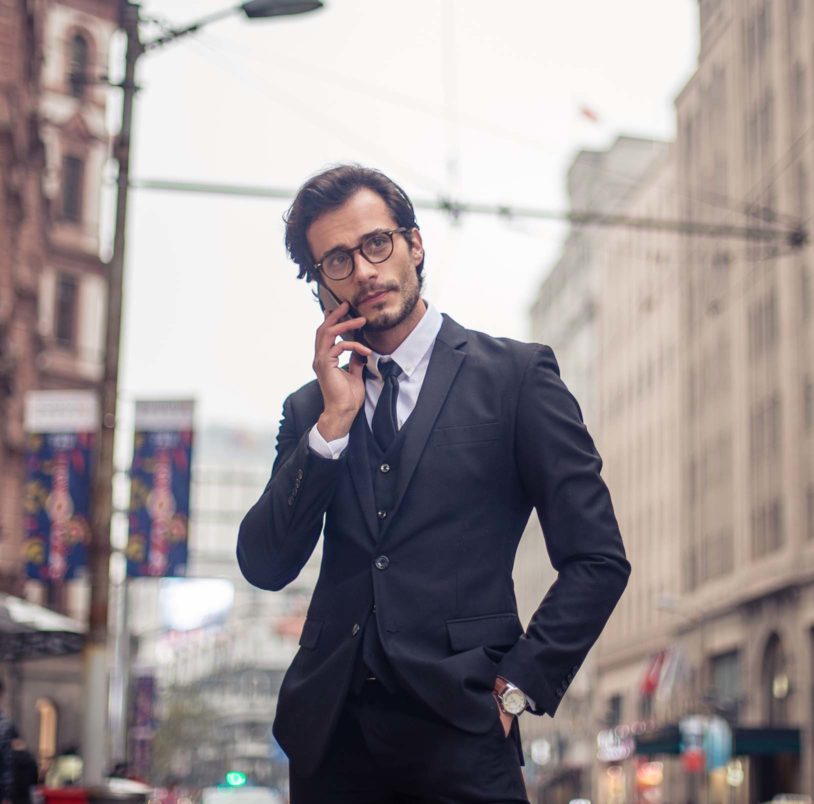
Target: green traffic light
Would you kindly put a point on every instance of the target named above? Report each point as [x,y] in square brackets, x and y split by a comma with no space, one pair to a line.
[235,779]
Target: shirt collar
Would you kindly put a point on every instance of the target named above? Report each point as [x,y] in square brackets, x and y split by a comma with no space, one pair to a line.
[415,346]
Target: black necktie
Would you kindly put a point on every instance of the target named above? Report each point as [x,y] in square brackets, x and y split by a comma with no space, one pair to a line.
[384,417]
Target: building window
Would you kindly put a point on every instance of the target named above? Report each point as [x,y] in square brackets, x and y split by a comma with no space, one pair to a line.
[726,682]
[66,304]
[72,169]
[78,65]
[614,716]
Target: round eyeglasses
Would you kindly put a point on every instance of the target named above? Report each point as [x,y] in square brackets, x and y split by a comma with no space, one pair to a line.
[375,248]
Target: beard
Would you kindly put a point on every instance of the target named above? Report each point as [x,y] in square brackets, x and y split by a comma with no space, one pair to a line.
[409,299]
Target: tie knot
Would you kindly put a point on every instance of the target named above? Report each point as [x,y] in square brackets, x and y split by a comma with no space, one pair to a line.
[389,368]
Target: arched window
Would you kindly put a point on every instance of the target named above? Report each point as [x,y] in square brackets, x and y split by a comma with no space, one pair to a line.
[78,65]
[47,741]
[776,685]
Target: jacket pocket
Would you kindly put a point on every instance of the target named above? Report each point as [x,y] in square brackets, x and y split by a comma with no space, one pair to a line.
[310,633]
[492,630]
[465,434]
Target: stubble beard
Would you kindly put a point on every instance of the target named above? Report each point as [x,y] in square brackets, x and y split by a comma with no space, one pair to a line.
[409,299]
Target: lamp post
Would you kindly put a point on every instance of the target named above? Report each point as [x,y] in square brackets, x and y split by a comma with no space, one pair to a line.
[95,656]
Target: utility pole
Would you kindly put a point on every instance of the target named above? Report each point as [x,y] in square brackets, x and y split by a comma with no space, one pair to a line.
[95,732]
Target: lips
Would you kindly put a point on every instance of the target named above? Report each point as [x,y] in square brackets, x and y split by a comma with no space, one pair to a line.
[374,297]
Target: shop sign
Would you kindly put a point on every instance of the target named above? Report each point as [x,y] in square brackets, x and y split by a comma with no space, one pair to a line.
[611,746]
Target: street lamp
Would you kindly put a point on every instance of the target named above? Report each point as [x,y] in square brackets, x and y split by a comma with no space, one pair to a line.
[95,656]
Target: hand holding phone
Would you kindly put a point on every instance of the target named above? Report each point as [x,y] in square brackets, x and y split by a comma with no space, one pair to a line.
[328,301]
[343,391]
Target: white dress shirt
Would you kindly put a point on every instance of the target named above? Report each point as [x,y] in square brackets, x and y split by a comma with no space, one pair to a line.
[413,355]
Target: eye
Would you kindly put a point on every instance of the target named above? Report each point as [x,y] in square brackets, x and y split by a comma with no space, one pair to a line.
[335,261]
[377,242]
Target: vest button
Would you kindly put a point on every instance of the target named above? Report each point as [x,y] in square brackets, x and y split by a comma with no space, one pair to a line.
[355,630]
[381,563]
[381,514]
[384,468]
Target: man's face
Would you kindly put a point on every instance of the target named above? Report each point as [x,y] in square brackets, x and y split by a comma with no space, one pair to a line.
[385,294]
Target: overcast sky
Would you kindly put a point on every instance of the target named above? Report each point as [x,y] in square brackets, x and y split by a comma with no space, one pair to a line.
[470,98]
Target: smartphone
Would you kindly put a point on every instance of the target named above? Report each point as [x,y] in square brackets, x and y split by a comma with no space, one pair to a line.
[328,302]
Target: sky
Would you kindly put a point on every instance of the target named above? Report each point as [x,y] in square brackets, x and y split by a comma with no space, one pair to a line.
[452,98]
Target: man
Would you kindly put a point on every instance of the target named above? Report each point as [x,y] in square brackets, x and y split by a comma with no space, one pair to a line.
[421,460]
[6,755]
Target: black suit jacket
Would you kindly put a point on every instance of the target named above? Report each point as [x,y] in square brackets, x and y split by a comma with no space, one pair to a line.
[494,434]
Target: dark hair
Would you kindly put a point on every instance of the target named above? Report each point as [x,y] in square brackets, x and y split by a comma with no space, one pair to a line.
[327,191]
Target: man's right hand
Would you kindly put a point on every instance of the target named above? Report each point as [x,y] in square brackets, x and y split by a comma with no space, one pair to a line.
[343,392]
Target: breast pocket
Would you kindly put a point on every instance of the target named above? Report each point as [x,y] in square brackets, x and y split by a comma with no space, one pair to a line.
[465,434]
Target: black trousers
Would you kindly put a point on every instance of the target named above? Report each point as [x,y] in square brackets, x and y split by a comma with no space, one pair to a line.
[391,749]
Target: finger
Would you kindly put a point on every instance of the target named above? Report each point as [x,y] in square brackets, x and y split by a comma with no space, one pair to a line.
[350,346]
[328,333]
[345,326]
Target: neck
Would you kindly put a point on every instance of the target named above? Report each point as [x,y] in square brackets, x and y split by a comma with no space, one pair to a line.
[387,341]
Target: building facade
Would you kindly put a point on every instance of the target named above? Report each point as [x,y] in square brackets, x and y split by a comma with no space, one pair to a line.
[706,423]
[53,149]
[53,146]
[566,315]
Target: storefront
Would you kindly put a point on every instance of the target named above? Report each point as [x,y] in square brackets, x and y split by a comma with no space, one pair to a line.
[763,762]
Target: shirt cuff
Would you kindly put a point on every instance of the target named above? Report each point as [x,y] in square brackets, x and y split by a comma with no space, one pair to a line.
[327,449]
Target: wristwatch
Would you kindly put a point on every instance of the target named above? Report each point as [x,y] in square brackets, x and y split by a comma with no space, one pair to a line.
[511,700]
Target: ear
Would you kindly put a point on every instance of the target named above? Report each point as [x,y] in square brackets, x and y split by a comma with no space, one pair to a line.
[417,246]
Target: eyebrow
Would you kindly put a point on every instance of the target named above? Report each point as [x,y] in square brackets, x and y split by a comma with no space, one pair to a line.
[333,249]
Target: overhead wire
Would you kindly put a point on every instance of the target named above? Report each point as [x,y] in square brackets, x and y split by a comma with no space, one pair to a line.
[321,121]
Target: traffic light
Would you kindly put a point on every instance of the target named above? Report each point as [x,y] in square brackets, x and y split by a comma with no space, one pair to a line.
[235,779]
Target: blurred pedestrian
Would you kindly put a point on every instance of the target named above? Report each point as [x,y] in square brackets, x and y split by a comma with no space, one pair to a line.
[422,459]
[6,759]
[25,771]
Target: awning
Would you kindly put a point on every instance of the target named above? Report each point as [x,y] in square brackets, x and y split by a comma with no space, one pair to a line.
[28,631]
[748,741]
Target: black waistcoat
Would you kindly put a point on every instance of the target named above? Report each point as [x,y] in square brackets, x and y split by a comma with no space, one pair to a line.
[384,468]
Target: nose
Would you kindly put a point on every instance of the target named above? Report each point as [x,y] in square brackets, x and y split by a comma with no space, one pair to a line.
[364,270]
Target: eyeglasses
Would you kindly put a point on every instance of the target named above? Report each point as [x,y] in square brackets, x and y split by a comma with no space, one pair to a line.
[375,248]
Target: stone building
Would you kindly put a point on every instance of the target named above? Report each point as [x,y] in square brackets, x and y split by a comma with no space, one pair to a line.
[705,392]
[566,316]
[53,147]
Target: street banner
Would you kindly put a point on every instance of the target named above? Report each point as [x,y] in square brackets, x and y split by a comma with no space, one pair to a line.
[159,489]
[60,432]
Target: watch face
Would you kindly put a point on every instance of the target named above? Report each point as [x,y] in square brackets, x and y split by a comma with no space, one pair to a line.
[514,701]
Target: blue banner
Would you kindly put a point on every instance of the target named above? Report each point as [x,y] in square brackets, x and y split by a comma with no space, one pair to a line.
[57,505]
[159,503]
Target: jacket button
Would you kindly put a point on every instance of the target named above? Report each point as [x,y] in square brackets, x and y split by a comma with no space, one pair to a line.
[355,630]
[381,514]
[299,474]
[374,608]
[381,563]
[297,483]
[384,468]
[291,500]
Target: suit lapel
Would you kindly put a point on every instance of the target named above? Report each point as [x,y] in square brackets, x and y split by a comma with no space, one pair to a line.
[359,466]
[447,356]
